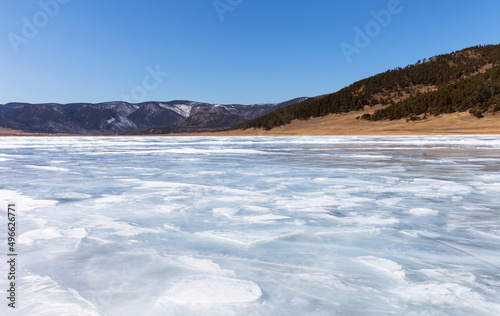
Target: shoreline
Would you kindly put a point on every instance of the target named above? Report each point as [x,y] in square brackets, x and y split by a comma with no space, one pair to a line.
[345,124]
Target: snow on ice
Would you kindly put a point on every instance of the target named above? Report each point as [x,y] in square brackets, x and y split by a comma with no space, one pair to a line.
[255,226]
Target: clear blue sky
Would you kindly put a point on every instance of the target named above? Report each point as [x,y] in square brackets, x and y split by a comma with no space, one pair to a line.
[262,51]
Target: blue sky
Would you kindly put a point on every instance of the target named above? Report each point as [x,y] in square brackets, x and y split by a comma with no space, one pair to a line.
[243,51]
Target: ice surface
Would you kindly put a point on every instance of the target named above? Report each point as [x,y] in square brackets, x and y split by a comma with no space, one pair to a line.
[255,225]
[30,237]
[43,296]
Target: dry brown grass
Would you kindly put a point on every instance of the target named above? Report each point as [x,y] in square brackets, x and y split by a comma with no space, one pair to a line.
[8,131]
[346,124]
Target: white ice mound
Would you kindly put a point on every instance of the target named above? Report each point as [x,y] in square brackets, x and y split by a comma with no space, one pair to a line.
[385,266]
[422,212]
[212,289]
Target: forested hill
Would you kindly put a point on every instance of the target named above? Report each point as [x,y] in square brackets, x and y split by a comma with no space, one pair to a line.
[467,80]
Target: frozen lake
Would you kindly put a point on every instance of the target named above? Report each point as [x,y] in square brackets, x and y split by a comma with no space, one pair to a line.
[254,226]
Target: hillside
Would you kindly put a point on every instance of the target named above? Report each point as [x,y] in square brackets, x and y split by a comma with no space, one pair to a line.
[467,80]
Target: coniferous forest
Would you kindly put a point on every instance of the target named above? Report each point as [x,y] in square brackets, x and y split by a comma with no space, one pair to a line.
[467,80]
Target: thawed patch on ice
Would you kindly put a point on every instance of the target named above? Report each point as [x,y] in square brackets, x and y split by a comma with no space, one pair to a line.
[212,290]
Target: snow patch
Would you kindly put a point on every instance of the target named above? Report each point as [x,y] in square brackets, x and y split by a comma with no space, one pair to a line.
[48,168]
[181,109]
[25,203]
[212,290]
[422,212]
[48,233]
[385,266]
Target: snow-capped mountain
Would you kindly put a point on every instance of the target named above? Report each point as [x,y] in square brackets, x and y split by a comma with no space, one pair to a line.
[123,117]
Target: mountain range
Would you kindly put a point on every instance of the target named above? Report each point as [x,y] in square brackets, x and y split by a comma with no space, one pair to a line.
[127,118]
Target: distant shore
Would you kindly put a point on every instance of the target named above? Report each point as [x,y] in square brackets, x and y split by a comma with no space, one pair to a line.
[346,124]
